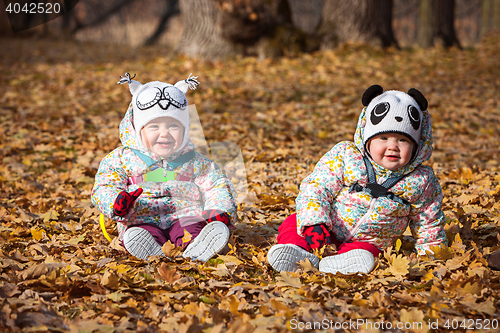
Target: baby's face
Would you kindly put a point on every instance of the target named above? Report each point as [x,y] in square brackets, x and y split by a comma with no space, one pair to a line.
[391,150]
[163,135]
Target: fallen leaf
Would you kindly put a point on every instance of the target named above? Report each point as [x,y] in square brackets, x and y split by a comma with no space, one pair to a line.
[167,274]
[287,280]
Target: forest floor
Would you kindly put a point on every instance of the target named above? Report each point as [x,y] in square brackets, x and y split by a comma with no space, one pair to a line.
[60,108]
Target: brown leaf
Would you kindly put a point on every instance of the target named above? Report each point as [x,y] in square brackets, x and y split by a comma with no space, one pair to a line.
[494,260]
[170,250]
[167,274]
[287,280]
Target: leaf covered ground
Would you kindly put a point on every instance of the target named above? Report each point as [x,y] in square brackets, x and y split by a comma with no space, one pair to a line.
[60,110]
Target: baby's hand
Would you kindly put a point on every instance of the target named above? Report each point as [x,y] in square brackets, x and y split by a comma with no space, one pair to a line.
[212,215]
[124,201]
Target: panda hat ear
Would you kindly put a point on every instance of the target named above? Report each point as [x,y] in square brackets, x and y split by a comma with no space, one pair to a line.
[419,98]
[371,93]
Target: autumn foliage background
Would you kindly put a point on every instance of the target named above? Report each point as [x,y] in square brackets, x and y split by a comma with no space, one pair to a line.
[60,108]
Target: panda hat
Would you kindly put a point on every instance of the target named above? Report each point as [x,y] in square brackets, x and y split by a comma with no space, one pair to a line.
[159,99]
[393,112]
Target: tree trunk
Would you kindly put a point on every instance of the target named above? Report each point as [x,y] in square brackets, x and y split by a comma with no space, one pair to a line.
[202,35]
[217,29]
[444,22]
[495,24]
[171,10]
[485,16]
[357,20]
[425,32]
[381,21]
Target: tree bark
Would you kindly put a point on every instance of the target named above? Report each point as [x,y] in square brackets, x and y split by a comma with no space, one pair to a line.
[217,29]
[495,24]
[357,20]
[171,10]
[444,22]
[485,16]
[202,35]
[425,33]
[103,17]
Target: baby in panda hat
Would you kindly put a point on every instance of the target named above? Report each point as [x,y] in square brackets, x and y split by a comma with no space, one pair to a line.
[362,195]
[156,186]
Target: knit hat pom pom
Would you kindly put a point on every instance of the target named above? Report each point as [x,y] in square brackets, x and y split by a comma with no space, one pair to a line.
[190,83]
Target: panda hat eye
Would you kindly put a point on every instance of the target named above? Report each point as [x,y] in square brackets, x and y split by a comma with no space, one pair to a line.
[148,98]
[379,112]
[414,115]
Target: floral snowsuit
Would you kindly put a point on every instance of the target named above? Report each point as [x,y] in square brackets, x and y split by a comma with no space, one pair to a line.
[198,185]
[326,197]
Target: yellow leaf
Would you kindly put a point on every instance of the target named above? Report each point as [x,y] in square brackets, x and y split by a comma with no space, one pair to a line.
[110,280]
[473,209]
[191,309]
[77,240]
[37,234]
[50,215]
[398,245]
[458,245]
[170,250]
[441,252]
[487,307]
[413,316]
[469,288]
[220,270]
[187,237]
[398,265]
[465,198]
[286,280]
[116,296]
[232,259]
[342,283]
[230,303]
[307,266]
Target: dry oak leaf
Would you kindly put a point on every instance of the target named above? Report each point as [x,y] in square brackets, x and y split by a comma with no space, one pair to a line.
[287,280]
[36,271]
[494,260]
[232,259]
[414,316]
[307,266]
[50,215]
[167,274]
[398,265]
[170,250]
[220,270]
[110,280]
[487,307]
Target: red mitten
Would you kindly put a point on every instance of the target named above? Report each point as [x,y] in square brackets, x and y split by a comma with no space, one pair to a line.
[124,201]
[317,236]
[212,215]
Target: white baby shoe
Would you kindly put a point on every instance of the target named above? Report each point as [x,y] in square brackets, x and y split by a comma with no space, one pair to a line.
[212,238]
[140,243]
[351,262]
[285,257]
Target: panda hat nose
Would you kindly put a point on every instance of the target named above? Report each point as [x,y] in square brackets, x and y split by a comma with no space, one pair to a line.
[398,119]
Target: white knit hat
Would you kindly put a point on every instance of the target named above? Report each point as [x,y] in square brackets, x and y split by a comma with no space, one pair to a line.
[159,99]
[393,112]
